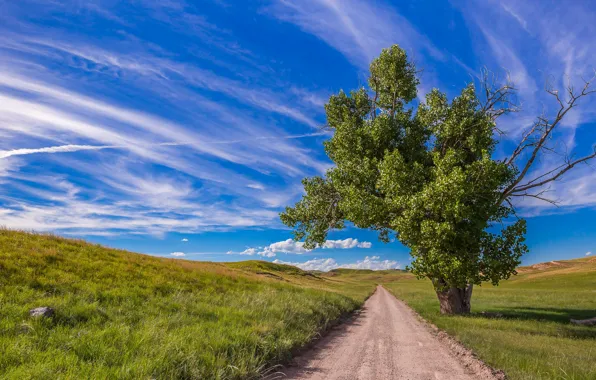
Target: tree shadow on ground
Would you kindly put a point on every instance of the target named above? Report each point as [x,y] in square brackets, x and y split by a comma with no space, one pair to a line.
[547,314]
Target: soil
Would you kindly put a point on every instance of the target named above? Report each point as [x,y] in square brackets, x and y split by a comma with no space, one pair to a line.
[388,340]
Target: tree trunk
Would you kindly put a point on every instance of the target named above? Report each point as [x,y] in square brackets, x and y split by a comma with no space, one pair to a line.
[455,300]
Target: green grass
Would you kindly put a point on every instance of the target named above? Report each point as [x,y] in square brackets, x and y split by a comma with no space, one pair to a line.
[534,338]
[131,316]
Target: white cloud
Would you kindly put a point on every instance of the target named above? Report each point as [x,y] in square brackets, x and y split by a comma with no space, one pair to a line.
[373,263]
[287,246]
[185,240]
[248,251]
[297,247]
[177,254]
[588,253]
[256,186]
[267,254]
[252,252]
[325,265]
[54,149]
[346,244]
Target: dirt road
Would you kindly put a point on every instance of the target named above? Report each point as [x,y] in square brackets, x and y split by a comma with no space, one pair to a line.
[386,341]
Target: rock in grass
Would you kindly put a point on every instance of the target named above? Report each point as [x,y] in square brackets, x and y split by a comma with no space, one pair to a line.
[489,314]
[45,311]
[584,322]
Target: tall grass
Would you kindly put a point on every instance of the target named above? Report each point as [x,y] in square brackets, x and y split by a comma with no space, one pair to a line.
[531,336]
[122,315]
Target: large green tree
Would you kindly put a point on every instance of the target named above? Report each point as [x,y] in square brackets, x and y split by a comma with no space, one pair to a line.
[427,176]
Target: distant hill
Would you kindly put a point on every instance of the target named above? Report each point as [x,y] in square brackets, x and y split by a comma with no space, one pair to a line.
[582,271]
[560,264]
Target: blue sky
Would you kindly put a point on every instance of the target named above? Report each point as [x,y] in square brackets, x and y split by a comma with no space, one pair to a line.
[185,127]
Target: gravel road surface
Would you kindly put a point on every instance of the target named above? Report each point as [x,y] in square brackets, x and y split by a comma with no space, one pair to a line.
[385,341]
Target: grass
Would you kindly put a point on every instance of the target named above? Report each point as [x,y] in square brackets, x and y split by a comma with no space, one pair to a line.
[534,338]
[122,315]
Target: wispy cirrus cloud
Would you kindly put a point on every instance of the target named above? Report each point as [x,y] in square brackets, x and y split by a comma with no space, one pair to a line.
[360,30]
[179,160]
[110,130]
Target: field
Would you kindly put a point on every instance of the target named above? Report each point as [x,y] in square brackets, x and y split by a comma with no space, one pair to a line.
[528,335]
[125,315]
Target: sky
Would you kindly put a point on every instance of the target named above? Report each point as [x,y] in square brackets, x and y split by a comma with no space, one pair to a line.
[182,129]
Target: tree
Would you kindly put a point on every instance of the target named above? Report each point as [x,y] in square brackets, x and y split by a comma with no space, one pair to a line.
[426,176]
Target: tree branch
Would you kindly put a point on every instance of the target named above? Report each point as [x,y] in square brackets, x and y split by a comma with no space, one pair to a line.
[498,100]
[532,184]
[544,128]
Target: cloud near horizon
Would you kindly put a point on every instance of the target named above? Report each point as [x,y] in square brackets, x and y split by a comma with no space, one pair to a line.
[297,247]
[327,264]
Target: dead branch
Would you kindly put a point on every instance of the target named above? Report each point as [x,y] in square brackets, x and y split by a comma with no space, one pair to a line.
[531,184]
[498,99]
[536,139]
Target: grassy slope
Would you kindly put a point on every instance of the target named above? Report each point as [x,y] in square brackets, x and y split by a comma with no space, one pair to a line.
[533,339]
[124,315]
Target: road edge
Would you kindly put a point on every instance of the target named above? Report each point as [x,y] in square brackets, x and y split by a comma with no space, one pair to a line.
[465,355]
[277,371]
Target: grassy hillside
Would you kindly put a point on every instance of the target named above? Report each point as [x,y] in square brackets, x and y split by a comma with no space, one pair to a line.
[125,315]
[528,333]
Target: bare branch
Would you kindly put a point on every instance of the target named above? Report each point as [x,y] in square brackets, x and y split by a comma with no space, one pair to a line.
[499,100]
[551,201]
[532,184]
[542,130]
[539,195]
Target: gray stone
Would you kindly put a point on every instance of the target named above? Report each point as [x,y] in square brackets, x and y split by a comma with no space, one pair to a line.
[45,311]
[489,314]
[584,322]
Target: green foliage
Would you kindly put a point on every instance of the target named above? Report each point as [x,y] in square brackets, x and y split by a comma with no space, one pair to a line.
[531,336]
[121,315]
[424,174]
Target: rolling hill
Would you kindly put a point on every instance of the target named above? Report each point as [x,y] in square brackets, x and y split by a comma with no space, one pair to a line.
[125,315]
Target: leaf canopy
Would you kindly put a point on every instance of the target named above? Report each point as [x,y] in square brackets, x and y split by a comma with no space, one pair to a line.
[423,174]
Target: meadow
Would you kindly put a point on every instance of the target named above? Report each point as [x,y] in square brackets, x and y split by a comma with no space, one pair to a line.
[123,315]
[525,329]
